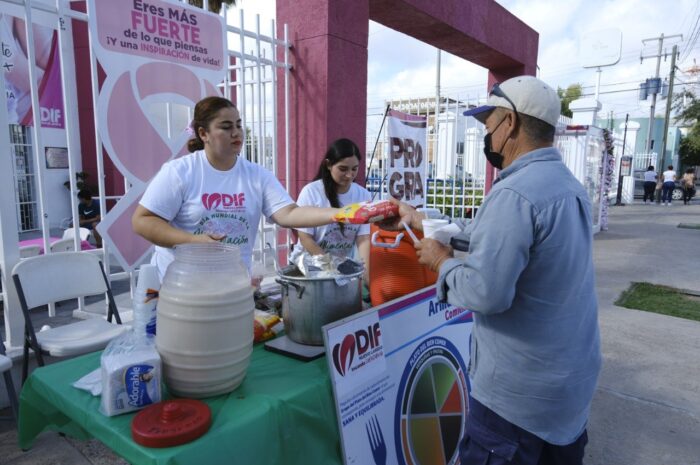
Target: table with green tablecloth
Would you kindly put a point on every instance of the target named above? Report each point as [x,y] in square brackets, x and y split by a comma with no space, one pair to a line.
[283,413]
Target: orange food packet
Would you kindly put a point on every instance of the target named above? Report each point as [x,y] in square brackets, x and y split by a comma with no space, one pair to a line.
[367,212]
[264,326]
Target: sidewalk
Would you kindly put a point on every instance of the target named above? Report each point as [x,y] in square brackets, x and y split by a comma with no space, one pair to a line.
[647,406]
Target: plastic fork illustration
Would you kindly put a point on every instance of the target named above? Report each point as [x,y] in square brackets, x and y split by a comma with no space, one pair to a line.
[376,441]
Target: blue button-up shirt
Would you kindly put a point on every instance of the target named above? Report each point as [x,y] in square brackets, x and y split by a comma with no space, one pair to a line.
[529,278]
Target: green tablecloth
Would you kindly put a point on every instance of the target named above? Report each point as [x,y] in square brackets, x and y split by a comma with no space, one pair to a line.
[283,413]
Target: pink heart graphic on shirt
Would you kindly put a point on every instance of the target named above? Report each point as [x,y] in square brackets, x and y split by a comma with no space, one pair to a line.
[211,201]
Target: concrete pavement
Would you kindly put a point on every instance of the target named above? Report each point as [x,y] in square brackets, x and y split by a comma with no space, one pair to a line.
[647,407]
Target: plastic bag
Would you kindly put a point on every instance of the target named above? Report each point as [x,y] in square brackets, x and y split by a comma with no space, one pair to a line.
[367,212]
[131,374]
[92,382]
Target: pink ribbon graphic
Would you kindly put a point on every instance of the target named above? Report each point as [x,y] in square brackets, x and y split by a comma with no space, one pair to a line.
[135,145]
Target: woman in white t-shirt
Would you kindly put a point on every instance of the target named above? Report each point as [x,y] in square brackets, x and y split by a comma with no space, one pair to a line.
[669,177]
[334,187]
[213,194]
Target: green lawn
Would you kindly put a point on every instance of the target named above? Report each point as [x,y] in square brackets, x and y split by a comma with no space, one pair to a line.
[660,299]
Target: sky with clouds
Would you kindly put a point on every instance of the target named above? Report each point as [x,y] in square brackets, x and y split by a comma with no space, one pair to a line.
[560,25]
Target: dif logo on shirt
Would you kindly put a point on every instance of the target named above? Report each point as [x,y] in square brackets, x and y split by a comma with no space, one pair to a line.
[225,201]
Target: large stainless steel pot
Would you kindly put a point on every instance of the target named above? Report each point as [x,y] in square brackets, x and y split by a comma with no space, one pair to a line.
[310,303]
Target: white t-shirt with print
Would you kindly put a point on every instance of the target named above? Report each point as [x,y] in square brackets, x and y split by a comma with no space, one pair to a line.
[669,175]
[194,196]
[329,237]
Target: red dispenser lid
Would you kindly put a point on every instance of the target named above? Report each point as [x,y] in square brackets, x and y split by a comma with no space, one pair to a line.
[171,423]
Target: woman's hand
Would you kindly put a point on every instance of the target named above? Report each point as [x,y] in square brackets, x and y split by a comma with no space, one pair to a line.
[433,254]
[207,238]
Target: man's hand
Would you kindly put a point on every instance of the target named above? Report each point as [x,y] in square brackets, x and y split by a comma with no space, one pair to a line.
[407,214]
[433,254]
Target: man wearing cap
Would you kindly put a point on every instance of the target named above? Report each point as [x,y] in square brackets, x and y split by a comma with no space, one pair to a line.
[529,278]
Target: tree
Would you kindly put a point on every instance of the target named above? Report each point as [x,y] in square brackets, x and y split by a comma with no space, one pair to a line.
[687,106]
[573,92]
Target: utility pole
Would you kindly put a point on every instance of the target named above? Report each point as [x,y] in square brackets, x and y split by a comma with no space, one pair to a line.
[658,68]
[618,200]
[436,126]
[669,102]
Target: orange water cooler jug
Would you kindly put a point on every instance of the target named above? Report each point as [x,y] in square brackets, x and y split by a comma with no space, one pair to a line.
[393,266]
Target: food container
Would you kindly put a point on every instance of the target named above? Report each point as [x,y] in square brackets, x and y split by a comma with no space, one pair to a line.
[393,266]
[205,321]
[309,303]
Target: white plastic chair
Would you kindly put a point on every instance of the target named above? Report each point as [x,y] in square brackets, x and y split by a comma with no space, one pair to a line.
[5,367]
[63,245]
[70,233]
[56,277]
[27,251]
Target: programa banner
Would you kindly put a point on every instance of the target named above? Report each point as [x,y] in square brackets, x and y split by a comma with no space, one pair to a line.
[153,53]
[407,159]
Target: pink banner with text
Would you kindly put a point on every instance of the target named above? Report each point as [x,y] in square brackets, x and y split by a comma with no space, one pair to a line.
[156,54]
[161,31]
[14,59]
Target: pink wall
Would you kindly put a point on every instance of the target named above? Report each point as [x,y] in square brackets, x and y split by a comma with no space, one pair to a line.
[328,87]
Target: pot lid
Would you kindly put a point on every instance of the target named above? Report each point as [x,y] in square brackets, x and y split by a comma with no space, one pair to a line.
[171,423]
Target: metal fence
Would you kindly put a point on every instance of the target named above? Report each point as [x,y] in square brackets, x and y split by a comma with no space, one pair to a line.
[456,170]
[24,174]
[255,58]
[456,167]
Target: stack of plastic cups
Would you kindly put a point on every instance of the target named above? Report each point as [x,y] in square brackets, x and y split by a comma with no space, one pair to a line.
[146,300]
[430,226]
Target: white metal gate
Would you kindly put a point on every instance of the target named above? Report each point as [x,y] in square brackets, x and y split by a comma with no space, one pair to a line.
[255,59]
[257,54]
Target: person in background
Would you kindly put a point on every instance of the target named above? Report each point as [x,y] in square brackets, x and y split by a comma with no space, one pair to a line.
[669,177]
[529,279]
[688,184]
[214,194]
[334,187]
[649,184]
[89,214]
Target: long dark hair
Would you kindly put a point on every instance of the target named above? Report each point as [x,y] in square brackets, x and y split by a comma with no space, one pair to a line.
[204,112]
[338,150]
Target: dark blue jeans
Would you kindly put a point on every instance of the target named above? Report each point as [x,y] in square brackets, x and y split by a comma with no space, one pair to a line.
[649,188]
[667,191]
[491,440]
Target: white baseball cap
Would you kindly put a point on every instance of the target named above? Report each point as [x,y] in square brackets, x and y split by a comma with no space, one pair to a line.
[528,96]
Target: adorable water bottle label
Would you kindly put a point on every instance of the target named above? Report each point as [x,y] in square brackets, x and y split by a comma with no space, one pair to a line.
[131,374]
[136,380]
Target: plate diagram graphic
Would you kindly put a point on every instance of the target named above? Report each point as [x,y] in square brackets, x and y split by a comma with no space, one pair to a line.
[432,405]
